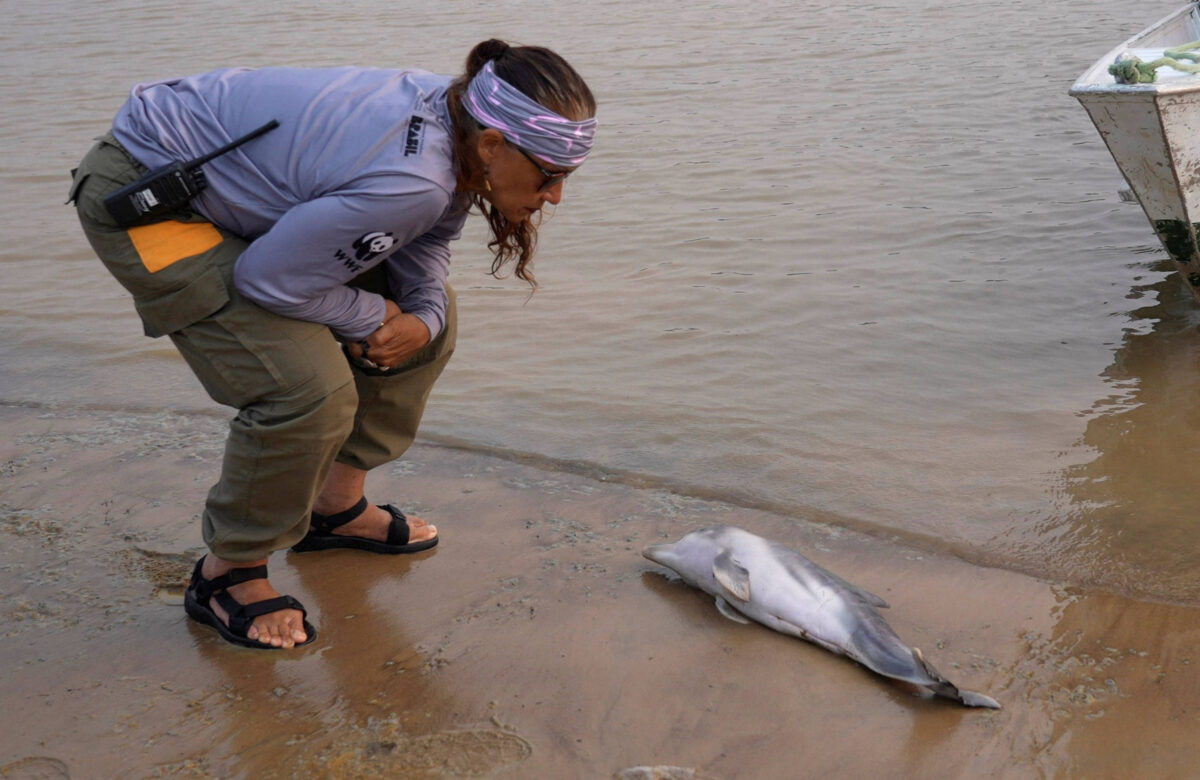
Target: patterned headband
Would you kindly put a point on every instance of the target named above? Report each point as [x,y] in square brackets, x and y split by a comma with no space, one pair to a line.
[536,129]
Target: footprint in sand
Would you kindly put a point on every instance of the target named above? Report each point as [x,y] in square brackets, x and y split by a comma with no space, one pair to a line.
[167,572]
[466,753]
[35,768]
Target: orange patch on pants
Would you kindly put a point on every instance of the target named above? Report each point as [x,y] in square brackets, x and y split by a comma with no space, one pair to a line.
[163,243]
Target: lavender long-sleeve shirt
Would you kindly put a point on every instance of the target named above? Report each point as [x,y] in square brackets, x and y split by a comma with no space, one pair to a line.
[359,172]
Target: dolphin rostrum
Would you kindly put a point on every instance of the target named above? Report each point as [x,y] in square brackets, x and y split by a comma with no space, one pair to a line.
[783,590]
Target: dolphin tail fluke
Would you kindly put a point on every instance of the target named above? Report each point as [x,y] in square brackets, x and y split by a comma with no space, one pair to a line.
[943,687]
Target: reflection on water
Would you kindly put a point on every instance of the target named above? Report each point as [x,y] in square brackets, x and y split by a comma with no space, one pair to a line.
[1131,515]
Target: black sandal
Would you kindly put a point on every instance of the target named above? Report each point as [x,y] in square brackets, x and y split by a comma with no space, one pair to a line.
[321,537]
[200,593]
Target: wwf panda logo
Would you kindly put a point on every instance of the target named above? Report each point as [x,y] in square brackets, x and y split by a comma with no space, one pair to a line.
[373,245]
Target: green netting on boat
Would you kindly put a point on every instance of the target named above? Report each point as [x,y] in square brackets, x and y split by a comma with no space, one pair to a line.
[1129,68]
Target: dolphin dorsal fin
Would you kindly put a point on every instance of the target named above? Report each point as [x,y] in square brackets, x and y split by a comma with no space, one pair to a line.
[865,595]
[732,575]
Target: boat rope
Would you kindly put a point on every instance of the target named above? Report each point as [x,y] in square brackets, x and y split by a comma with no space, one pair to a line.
[1129,68]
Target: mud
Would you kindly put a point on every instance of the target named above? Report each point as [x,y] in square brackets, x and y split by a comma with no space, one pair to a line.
[534,642]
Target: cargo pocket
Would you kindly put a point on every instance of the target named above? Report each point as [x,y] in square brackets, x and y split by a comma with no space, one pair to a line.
[76,183]
[173,311]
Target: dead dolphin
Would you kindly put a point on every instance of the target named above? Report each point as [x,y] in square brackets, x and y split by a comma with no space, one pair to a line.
[783,590]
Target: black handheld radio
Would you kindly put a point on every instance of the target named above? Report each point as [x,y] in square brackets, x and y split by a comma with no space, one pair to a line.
[170,187]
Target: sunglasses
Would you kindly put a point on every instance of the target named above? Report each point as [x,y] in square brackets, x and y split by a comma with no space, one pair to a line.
[552,177]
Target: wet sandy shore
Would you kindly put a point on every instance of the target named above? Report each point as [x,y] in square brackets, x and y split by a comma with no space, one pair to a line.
[534,642]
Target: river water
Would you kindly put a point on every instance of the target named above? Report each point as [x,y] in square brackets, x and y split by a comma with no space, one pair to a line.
[863,264]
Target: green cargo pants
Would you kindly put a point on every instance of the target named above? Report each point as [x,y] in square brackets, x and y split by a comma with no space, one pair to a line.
[300,403]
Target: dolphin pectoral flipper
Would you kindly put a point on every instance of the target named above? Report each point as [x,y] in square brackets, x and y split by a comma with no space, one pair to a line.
[974,699]
[731,575]
[729,612]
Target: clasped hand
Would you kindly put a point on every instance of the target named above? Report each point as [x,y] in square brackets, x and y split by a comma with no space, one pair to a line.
[395,340]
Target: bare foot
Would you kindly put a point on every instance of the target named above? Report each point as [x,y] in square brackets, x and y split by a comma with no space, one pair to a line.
[373,524]
[283,629]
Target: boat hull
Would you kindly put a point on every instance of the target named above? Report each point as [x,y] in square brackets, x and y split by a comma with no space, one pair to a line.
[1153,134]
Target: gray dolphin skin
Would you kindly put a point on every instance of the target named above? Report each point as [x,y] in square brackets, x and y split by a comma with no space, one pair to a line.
[762,580]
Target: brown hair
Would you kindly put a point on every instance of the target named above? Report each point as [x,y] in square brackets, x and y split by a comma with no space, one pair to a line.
[542,76]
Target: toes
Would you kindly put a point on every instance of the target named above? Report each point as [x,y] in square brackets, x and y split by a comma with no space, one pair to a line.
[295,627]
[419,530]
[274,638]
[284,631]
[265,635]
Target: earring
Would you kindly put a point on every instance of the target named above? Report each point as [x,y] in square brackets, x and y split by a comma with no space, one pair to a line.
[486,182]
